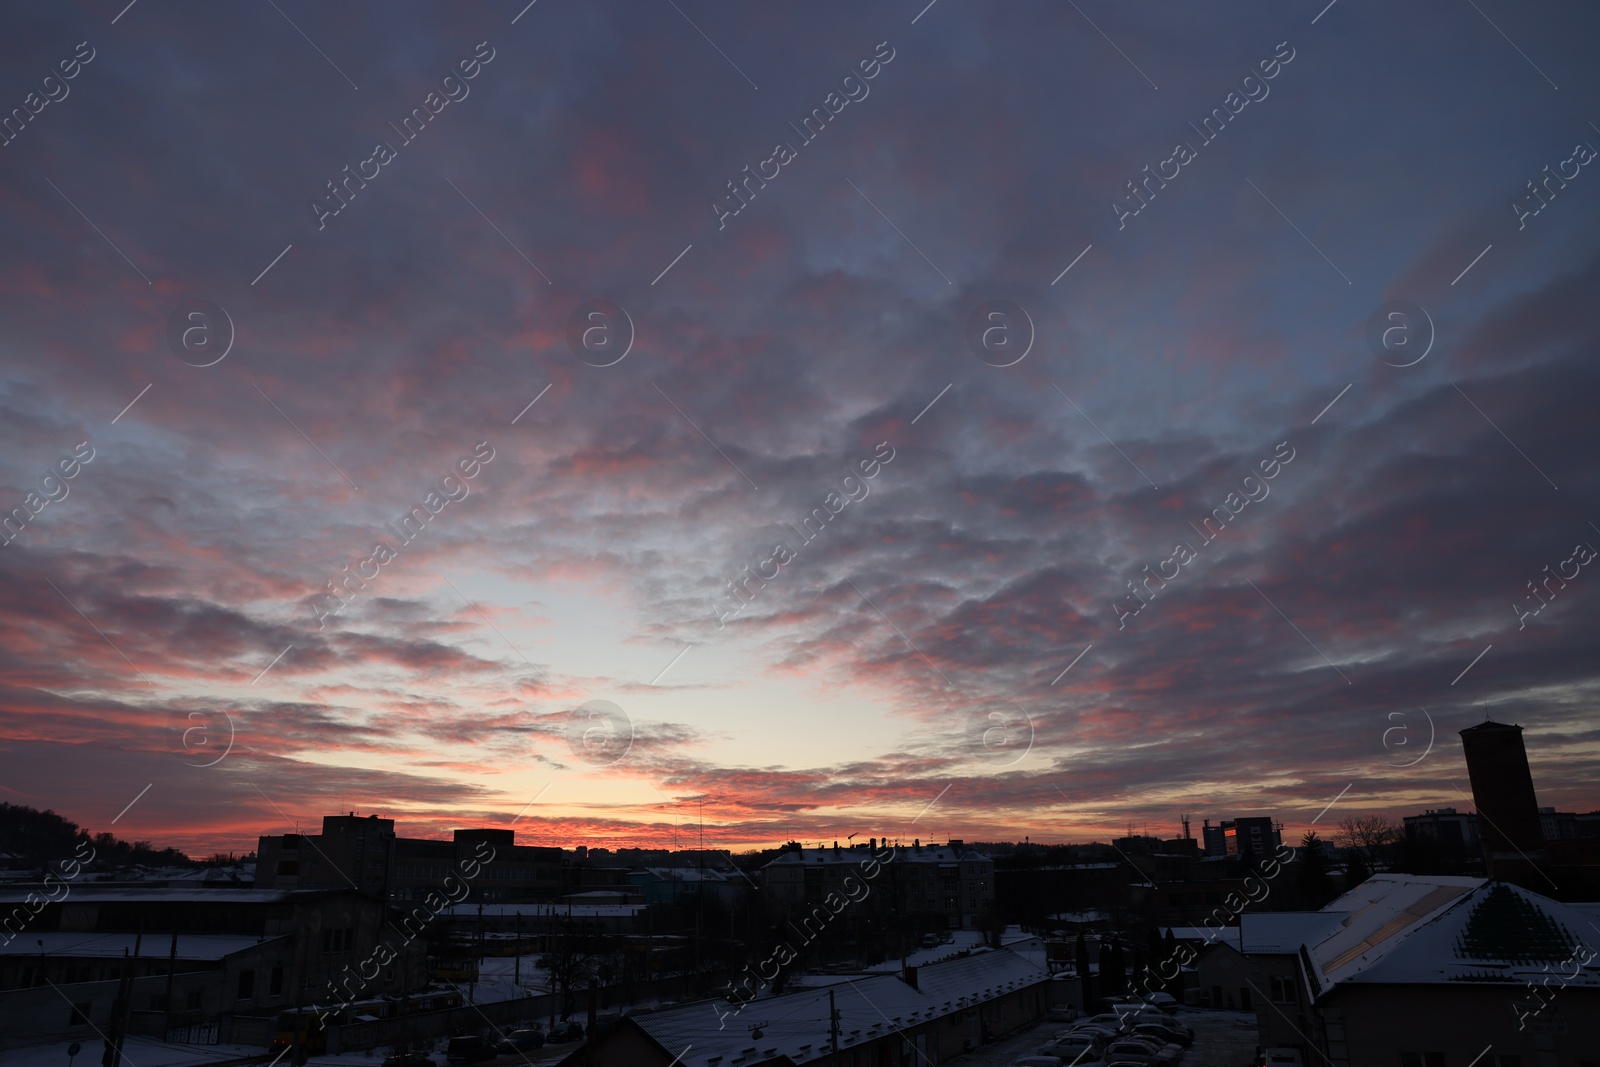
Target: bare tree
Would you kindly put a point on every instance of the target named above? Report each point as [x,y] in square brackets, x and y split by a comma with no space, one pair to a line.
[1371,838]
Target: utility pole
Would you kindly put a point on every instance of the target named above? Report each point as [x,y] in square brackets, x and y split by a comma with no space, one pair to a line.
[166,999]
[833,1028]
[112,1056]
[472,990]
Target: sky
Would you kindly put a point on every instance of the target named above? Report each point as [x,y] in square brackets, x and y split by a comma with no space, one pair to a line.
[609,300]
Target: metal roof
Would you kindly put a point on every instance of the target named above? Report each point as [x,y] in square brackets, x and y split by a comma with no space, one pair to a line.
[77,945]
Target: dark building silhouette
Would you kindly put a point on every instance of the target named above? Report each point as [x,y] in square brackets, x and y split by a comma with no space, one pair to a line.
[1508,811]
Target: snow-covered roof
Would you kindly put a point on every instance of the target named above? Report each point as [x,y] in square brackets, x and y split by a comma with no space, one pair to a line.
[58,944]
[1000,971]
[685,874]
[1279,933]
[1093,915]
[560,911]
[795,1025]
[1423,931]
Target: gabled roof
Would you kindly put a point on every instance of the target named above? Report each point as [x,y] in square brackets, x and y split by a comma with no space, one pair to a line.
[1426,931]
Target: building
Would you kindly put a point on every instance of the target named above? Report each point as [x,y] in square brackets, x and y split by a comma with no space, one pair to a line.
[927,1015]
[939,886]
[1254,835]
[669,885]
[1502,788]
[1271,942]
[223,961]
[1446,834]
[1413,970]
[351,851]
[364,853]
[1222,977]
[1565,861]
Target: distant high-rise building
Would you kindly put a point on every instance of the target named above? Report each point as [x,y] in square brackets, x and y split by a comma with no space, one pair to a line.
[1445,835]
[1254,835]
[1508,810]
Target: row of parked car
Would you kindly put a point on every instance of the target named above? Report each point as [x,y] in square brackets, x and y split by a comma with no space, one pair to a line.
[1133,1034]
[471,1048]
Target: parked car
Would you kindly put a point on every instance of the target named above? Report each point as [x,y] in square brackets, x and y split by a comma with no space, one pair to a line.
[1105,1033]
[468,1049]
[560,1033]
[1062,1013]
[930,940]
[409,1059]
[1165,1001]
[1138,1050]
[1165,1032]
[1086,1046]
[520,1041]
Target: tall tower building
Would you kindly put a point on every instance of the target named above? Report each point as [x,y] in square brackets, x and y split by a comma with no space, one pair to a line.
[1508,811]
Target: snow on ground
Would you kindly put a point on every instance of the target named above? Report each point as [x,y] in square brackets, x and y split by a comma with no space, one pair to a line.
[492,990]
[534,980]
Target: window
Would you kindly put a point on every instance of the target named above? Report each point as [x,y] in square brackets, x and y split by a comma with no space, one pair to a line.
[194,999]
[275,984]
[247,983]
[1422,1059]
[1283,990]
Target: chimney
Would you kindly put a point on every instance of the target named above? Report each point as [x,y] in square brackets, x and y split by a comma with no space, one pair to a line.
[874,843]
[910,976]
[1508,810]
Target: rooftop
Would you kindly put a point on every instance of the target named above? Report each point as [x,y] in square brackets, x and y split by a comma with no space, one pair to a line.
[795,1025]
[1411,930]
[1281,933]
[60,944]
[858,854]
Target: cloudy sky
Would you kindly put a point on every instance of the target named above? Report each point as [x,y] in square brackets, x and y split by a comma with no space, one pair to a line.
[285,272]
